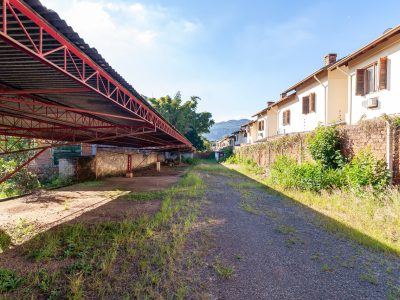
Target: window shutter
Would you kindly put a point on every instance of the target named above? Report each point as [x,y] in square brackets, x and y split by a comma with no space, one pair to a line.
[360,88]
[312,102]
[305,105]
[383,73]
[288,117]
[284,118]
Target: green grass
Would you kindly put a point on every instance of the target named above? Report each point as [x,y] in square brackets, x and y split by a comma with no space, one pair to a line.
[9,280]
[369,219]
[5,241]
[141,258]
[327,268]
[286,230]
[223,270]
[369,277]
[145,196]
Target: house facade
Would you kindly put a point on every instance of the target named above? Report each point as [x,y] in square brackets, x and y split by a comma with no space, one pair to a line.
[370,75]
[362,85]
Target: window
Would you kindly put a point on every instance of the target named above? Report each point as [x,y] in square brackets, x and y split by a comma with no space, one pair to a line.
[370,79]
[367,80]
[309,104]
[261,125]
[286,117]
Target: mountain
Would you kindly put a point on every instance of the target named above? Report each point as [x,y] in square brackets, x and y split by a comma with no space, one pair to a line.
[221,129]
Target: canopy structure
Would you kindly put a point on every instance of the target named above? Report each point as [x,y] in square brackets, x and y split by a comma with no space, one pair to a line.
[55,87]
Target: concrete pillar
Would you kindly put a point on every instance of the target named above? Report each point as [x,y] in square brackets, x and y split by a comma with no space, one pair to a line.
[129,172]
[158,166]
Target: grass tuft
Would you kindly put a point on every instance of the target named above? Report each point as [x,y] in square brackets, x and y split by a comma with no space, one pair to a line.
[223,270]
[9,281]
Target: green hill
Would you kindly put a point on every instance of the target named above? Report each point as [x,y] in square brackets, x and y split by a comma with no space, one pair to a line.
[221,129]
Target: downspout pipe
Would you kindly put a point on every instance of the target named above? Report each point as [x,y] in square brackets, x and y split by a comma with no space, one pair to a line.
[389,149]
[326,98]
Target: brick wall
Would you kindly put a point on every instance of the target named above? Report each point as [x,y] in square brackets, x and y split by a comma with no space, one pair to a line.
[372,134]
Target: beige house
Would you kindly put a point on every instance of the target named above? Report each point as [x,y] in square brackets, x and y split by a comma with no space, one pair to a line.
[251,130]
[312,101]
[265,123]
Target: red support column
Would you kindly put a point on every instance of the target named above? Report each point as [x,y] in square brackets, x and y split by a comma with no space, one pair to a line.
[129,172]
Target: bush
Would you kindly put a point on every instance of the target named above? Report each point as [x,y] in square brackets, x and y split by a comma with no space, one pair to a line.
[365,170]
[58,182]
[324,146]
[192,161]
[228,152]
[21,183]
[287,173]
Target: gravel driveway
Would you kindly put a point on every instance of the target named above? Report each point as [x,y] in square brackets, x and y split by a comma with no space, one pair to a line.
[277,250]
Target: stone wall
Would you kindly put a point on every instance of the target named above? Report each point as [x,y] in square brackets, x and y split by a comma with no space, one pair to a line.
[109,162]
[106,163]
[369,134]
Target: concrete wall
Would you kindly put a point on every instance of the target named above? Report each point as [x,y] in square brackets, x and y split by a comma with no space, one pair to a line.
[337,102]
[106,163]
[272,122]
[110,162]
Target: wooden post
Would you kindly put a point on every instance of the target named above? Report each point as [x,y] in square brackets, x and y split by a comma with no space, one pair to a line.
[158,165]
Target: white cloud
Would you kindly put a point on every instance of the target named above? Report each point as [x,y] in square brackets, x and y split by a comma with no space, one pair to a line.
[142,42]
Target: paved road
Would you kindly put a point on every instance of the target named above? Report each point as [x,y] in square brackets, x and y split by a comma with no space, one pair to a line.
[279,252]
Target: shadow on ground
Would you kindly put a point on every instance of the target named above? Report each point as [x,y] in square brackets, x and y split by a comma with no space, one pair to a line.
[331,225]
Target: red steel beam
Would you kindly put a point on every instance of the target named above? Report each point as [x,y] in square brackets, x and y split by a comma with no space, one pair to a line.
[94,140]
[120,95]
[19,168]
[43,91]
[37,105]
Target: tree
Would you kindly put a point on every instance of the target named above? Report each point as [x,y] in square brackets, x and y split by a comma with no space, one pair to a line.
[22,182]
[184,116]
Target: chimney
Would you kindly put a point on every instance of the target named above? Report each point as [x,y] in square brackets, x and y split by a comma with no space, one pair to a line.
[330,59]
[283,95]
[269,103]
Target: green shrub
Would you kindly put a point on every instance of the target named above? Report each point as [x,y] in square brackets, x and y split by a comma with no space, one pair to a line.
[287,173]
[233,160]
[192,161]
[365,170]
[324,146]
[58,182]
[9,280]
[228,152]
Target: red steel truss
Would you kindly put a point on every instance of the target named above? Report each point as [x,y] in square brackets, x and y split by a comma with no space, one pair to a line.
[52,49]
[55,88]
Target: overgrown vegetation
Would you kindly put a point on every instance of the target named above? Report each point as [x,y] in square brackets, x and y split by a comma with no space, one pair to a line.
[329,169]
[355,195]
[324,146]
[24,181]
[140,258]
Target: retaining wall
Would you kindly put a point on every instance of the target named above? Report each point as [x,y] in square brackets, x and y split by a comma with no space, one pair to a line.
[372,134]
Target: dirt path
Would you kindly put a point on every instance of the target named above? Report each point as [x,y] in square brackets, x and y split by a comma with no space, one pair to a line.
[46,209]
[278,252]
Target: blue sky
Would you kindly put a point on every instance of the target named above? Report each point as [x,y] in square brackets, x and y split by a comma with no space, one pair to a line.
[234,54]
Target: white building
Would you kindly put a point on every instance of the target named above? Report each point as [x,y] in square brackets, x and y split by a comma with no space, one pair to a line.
[370,78]
[308,103]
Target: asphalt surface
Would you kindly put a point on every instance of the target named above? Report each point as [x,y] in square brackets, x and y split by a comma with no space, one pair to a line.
[278,251]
